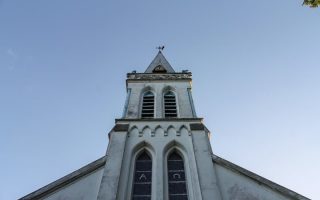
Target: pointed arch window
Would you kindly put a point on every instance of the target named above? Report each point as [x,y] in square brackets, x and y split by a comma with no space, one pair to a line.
[177,185]
[147,105]
[170,105]
[142,178]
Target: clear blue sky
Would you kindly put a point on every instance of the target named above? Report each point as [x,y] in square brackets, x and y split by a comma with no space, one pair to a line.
[63,64]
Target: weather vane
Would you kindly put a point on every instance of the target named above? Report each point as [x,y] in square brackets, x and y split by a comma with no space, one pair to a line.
[160,48]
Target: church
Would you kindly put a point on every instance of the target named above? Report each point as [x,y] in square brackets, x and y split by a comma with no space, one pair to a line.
[160,150]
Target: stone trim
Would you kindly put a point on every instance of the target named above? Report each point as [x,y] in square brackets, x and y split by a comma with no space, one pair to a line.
[282,190]
[52,187]
[155,76]
[121,128]
[125,109]
[156,80]
[191,102]
[157,119]
[197,127]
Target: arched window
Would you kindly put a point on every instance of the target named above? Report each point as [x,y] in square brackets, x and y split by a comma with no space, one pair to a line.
[142,178]
[177,185]
[147,110]
[170,105]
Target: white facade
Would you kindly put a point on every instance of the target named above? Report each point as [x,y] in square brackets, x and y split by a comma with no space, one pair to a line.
[84,188]
[205,176]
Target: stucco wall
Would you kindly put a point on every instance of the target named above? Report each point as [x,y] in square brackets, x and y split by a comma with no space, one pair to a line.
[86,188]
[158,138]
[234,186]
[207,176]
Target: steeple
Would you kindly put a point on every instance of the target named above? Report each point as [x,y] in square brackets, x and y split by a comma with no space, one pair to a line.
[160,150]
[159,65]
[159,92]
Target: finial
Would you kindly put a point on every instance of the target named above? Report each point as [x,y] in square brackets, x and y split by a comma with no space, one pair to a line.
[160,48]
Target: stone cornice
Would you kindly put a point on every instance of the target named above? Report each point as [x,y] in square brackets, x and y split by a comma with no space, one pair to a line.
[126,120]
[153,76]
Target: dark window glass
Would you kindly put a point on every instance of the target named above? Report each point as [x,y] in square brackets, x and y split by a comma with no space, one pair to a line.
[170,107]
[177,184]
[147,110]
[142,178]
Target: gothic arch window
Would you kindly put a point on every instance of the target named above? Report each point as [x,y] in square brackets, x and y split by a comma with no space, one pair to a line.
[142,177]
[177,184]
[147,110]
[170,104]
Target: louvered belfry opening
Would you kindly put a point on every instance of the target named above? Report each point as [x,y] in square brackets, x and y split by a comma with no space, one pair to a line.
[170,105]
[142,178]
[148,105]
[177,185]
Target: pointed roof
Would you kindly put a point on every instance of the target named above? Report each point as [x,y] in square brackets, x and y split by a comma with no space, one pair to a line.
[161,63]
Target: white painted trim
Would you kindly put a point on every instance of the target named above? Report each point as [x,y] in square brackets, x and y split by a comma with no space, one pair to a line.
[125,109]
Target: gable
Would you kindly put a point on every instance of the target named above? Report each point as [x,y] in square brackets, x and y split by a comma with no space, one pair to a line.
[238,183]
[83,183]
[159,65]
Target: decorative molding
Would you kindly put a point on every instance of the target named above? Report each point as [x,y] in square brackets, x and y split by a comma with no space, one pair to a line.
[121,128]
[196,120]
[165,130]
[159,128]
[131,130]
[151,76]
[165,133]
[178,133]
[197,127]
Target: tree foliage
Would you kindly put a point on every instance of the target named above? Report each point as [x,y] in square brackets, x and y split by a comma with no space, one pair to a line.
[312,3]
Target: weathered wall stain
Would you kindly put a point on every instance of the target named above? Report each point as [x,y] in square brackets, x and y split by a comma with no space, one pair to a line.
[240,193]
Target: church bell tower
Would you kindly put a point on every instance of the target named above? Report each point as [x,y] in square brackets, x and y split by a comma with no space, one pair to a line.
[159,149]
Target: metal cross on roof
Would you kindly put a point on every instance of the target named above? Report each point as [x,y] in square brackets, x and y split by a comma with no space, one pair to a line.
[160,48]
